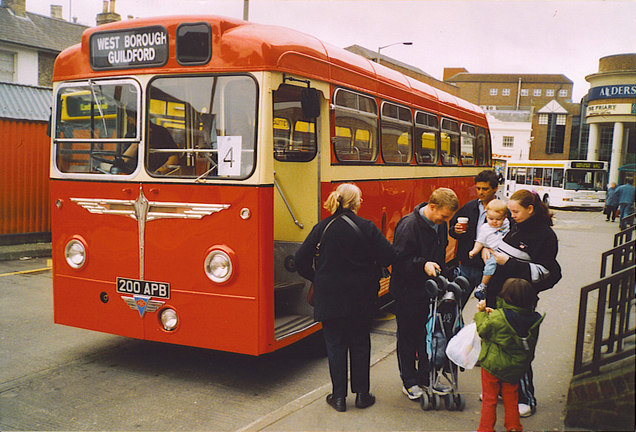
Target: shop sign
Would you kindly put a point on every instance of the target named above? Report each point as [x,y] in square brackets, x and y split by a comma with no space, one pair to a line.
[612,91]
[610,109]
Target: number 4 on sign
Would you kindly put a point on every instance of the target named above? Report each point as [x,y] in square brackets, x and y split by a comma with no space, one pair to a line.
[230,155]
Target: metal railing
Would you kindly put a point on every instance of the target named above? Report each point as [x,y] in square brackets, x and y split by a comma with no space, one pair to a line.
[614,327]
[621,257]
[624,236]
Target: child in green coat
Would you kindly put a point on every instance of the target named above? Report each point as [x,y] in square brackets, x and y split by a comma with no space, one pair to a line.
[508,340]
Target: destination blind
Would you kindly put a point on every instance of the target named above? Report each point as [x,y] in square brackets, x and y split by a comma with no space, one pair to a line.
[140,47]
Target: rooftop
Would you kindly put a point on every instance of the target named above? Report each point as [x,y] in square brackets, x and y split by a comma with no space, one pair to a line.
[38,31]
[510,78]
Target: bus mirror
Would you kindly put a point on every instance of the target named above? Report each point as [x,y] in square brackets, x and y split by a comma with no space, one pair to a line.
[310,103]
[48,126]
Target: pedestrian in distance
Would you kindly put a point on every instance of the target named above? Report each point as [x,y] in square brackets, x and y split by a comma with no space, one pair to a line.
[528,252]
[490,237]
[420,240]
[509,337]
[343,256]
[625,194]
[486,184]
[611,203]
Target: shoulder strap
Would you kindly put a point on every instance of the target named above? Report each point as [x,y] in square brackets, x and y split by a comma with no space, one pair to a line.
[322,237]
[354,226]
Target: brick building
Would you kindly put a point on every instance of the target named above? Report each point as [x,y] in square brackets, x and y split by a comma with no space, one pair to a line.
[545,100]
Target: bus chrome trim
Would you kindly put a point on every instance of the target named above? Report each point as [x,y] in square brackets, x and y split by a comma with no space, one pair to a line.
[144,211]
[156,209]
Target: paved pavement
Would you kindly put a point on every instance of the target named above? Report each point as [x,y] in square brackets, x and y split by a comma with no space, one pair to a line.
[21,251]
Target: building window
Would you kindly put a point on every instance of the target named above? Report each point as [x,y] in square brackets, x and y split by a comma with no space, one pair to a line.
[549,92]
[508,141]
[543,119]
[493,92]
[524,92]
[505,92]
[536,92]
[556,133]
[563,93]
[560,120]
[7,66]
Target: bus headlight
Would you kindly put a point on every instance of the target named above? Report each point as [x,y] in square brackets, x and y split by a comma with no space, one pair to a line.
[75,253]
[218,266]
[169,319]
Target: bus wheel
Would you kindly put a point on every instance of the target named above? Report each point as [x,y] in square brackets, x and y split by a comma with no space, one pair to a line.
[546,200]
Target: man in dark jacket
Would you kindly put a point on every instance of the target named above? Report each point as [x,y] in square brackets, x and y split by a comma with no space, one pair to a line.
[420,240]
[486,183]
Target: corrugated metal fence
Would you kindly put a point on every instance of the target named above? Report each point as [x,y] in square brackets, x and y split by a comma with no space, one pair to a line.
[24,164]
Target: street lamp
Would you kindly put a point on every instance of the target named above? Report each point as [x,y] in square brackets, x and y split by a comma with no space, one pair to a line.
[377,60]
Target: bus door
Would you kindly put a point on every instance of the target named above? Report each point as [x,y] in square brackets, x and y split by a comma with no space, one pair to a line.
[296,200]
[512,179]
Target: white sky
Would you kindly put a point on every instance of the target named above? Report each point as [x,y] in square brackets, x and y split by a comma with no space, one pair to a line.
[504,36]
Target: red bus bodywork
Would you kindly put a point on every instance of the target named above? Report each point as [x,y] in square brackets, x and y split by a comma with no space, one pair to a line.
[237,315]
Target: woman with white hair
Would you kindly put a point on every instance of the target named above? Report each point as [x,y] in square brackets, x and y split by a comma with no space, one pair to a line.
[343,255]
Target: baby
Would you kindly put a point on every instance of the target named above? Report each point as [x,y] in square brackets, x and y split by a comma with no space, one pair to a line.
[490,236]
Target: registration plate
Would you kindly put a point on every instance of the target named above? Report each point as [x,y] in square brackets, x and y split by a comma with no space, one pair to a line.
[143,287]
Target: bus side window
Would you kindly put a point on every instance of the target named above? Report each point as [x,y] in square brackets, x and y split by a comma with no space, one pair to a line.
[356,127]
[426,138]
[294,135]
[468,145]
[450,142]
[396,129]
[547,177]
[521,176]
[482,146]
[557,177]
[537,178]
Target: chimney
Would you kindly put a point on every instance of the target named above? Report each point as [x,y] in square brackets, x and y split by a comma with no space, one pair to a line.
[56,12]
[18,7]
[108,14]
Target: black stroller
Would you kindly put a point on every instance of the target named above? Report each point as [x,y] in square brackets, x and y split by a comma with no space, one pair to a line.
[444,321]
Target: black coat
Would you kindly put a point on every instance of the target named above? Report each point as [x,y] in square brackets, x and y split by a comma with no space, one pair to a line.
[466,241]
[346,280]
[416,243]
[533,247]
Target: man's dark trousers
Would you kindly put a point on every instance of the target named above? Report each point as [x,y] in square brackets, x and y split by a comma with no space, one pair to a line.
[412,315]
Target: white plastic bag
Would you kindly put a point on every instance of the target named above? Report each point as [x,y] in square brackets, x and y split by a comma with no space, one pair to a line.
[463,348]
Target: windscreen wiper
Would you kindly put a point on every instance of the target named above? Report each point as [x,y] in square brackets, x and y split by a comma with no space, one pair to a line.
[99,107]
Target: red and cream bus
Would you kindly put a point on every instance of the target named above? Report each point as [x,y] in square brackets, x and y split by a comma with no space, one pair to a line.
[190,158]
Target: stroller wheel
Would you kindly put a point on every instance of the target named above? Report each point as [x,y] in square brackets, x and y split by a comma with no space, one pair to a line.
[449,403]
[460,402]
[425,402]
[437,403]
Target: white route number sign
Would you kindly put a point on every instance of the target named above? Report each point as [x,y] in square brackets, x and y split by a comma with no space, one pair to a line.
[230,155]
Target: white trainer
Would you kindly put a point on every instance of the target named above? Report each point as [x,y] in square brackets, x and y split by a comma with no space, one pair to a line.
[525,410]
[413,392]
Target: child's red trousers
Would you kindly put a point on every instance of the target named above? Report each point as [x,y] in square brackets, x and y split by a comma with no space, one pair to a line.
[490,386]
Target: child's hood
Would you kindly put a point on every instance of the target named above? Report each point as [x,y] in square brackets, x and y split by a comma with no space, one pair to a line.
[520,319]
